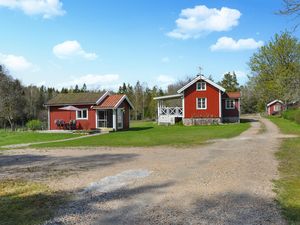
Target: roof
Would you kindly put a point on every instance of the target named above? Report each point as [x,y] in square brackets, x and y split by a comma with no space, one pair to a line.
[76,98]
[275,101]
[235,94]
[200,77]
[168,97]
[112,101]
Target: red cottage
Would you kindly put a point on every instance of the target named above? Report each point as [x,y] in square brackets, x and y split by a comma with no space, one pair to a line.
[89,111]
[202,102]
[275,107]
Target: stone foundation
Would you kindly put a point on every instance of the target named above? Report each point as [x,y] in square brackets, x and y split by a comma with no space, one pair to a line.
[201,121]
[231,120]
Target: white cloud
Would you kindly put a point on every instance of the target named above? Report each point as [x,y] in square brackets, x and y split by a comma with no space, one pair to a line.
[227,43]
[47,8]
[15,63]
[95,81]
[164,80]
[241,74]
[200,20]
[69,49]
[165,60]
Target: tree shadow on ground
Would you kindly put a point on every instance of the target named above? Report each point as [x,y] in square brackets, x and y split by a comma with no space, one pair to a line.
[86,207]
[228,208]
[140,128]
[247,120]
[43,166]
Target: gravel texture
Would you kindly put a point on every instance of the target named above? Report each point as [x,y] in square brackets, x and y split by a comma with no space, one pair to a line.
[224,182]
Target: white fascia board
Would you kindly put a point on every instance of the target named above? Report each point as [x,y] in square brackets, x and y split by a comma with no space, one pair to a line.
[102,97]
[168,97]
[271,103]
[201,78]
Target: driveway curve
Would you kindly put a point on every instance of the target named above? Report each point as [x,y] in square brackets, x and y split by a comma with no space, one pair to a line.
[224,182]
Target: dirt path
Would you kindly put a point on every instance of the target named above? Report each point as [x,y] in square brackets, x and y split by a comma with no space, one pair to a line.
[225,182]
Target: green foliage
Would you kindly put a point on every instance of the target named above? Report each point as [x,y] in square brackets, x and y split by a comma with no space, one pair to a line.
[229,82]
[150,134]
[287,187]
[275,68]
[34,125]
[292,114]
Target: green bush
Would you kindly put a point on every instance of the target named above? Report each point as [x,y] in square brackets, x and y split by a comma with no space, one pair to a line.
[297,117]
[34,125]
[292,114]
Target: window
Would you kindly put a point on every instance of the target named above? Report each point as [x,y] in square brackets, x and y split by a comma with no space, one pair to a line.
[82,114]
[230,104]
[201,103]
[277,108]
[201,86]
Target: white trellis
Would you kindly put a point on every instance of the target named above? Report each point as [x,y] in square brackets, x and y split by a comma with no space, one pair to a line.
[168,114]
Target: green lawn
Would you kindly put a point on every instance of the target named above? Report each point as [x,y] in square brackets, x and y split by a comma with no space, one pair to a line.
[150,134]
[24,203]
[23,137]
[288,186]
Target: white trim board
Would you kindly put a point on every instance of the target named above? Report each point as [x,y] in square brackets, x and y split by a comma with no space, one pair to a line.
[201,77]
[271,103]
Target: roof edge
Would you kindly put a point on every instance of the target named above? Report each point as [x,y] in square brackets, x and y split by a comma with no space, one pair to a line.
[200,77]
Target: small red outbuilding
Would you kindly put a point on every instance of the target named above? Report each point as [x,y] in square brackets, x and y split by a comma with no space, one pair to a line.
[89,111]
[275,107]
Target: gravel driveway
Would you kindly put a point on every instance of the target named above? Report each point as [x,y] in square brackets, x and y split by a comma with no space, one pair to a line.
[223,182]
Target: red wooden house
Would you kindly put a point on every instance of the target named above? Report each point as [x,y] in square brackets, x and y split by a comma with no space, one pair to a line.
[275,107]
[202,102]
[89,111]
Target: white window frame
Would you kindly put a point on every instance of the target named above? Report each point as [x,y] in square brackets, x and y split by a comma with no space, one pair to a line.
[277,108]
[81,110]
[197,105]
[201,83]
[227,106]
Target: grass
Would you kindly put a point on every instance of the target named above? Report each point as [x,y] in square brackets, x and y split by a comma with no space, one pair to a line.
[288,186]
[23,137]
[150,134]
[24,203]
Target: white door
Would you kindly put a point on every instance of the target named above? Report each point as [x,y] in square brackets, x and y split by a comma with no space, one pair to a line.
[120,118]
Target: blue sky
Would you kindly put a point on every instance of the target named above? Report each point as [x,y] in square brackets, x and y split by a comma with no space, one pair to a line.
[106,42]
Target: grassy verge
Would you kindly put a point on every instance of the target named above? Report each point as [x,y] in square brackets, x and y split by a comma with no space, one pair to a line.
[288,186]
[24,203]
[150,134]
[23,137]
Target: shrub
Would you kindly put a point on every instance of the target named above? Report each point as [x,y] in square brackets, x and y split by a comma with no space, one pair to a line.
[297,117]
[34,125]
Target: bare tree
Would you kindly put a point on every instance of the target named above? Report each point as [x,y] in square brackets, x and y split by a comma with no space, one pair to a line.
[291,8]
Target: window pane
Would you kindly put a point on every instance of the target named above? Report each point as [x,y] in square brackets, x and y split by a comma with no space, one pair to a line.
[84,113]
[79,115]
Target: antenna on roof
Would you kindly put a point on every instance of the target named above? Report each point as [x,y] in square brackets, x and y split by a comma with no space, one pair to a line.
[200,71]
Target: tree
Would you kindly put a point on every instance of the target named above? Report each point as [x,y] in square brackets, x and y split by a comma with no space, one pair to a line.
[84,88]
[12,99]
[291,8]
[229,82]
[276,70]
[76,89]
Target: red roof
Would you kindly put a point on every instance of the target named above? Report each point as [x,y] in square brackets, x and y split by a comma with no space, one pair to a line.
[235,94]
[109,102]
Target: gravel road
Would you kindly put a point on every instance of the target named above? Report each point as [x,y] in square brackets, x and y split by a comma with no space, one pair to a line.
[223,182]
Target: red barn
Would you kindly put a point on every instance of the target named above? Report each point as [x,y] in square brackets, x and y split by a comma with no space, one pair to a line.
[275,107]
[202,102]
[88,111]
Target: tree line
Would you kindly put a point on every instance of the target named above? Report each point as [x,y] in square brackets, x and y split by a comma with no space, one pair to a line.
[275,74]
